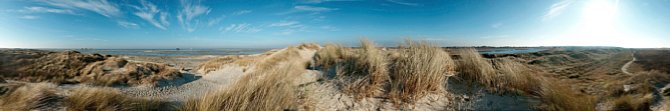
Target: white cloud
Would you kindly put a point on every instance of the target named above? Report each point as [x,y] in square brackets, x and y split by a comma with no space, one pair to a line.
[215,21]
[163,18]
[149,11]
[46,10]
[190,11]
[313,8]
[556,9]
[304,8]
[30,17]
[401,2]
[243,27]
[128,24]
[102,7]
[284,23]
[289,27]
[242,12]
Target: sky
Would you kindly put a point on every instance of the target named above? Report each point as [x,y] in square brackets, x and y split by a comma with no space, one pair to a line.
[131,24]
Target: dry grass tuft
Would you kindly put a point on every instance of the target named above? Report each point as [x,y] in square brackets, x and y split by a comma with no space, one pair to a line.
[109,99]
[88,98]
[513,76]
[329,55]
[475,69]
[217,63]
[639,95]
[504,75]
[558,97]
[271,87]
[420,68]
[374,66]
[633,103]
[269,90]
[24,97]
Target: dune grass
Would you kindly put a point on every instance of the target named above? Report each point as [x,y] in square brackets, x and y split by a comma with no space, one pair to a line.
[404,74]
[512,76]
[87,98]
[505,76]
[556,96]
[109,99]
[419,69]
[640,94]
[217,63]
[24,97]
[271,87]
[328,56]
[272,91]
[475,69]
[633,102]
[372,64]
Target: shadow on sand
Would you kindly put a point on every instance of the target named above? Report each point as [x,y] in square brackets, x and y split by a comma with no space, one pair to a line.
[186,77]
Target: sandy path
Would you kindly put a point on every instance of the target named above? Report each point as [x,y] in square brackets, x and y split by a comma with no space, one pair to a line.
[624,68]
[180,93]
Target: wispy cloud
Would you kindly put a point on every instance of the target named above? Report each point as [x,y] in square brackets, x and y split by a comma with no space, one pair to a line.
[46,10]
[304,8]
[150,13]
[284,23]
[401,2]
[102,7]
[190,11]
[313,8]
[289,27]
[243,27]
[556,9]
[29,17]
[242,12]
[129,25]
[216,20]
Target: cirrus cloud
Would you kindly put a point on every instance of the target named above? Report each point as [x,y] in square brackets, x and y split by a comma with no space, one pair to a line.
[191,10]
[102,7]
[149,11]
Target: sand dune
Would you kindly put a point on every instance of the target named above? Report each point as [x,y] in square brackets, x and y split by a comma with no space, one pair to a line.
[417,76]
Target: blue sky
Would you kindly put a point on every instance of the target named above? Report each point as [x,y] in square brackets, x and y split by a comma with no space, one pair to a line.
[278,23]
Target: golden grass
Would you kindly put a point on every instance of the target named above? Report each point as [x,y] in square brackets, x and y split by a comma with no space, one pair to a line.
[272,91]
[271,87]
[108,99]
[633,102]
[328,56]
[513,76]
[639,96]
[558,97]
[374,66]
[23,97]
[505,75]
[475,69]
[420,68]
[217,63]
[555,96]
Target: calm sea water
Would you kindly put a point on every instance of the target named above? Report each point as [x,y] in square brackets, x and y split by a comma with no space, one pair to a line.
[169,52]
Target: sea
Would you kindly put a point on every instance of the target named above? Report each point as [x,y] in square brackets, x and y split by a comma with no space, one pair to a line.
[169,52]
